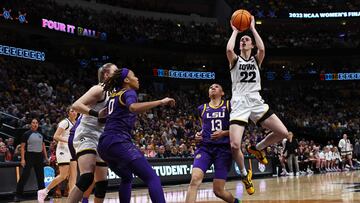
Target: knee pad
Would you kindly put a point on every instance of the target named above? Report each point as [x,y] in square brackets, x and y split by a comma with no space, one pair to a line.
[100,189]
[85,181]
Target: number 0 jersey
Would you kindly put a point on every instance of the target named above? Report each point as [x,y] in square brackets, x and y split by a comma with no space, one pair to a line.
[245,76]
[214,118]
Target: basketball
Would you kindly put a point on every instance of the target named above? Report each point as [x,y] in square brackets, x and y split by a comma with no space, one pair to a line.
[241,19]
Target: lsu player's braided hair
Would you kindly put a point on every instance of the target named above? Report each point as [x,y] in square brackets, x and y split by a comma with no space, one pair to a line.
[114,82]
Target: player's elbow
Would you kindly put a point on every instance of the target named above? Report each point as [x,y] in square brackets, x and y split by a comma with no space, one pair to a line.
[75,106]
[133,109]
[229,51]
[56,138]
[261,50]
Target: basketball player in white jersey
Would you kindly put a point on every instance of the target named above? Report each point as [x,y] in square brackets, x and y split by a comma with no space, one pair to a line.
[62,152]
[246,101]
[87,134]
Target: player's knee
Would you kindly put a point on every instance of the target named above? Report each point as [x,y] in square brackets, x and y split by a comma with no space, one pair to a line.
[195,180]
[235,146]
[283,133]
[218,192]
[84,182]
[100,189]
[63,176]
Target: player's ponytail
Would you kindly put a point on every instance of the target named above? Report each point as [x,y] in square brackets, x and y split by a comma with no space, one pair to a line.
[116,80]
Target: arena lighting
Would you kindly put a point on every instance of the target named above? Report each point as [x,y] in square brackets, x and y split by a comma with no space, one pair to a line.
[340,76]
[258,22]
[72,29]
[21,17]
[22,53]
[347,14]
[183,74]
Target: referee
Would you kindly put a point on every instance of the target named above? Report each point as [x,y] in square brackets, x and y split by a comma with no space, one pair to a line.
[33,152]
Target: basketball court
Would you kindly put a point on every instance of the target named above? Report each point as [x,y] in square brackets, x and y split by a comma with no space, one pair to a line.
[329,187]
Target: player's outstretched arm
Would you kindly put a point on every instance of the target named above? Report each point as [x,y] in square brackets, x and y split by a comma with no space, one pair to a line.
[259,43]
[231,56]
[93,95]
[144,106]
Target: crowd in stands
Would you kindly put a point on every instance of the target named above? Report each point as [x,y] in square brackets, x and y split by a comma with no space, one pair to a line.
[43,90]
[279,9]
[261,9]
[123,28]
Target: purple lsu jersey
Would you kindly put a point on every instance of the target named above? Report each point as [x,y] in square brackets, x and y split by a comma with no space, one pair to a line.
[214,119]
[120,121]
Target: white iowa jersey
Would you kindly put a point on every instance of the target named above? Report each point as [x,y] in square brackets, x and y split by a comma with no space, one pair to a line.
[65,124]
[245,76]
[88,120]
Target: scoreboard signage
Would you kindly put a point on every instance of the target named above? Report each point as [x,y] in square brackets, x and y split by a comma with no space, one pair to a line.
[72,29]
[348,14]
[340,76]
[184,74]
[22,53]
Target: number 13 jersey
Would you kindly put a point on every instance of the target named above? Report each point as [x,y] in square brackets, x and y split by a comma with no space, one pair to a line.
[214,118]
[245,76]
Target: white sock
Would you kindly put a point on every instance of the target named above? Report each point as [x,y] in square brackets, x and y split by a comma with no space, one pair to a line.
[243,172]
[260,146]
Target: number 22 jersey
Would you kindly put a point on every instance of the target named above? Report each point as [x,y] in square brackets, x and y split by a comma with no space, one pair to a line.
[245,76]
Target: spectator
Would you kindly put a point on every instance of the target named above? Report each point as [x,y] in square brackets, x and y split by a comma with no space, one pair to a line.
[10,146]
[17,154]
[174,152]
[150,152]
[3,152]
[357,149]
[33,152]
[183,152]
[291,152]
[161,154]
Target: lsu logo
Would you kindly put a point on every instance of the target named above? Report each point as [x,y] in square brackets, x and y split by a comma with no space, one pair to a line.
[216,115]
[198,156]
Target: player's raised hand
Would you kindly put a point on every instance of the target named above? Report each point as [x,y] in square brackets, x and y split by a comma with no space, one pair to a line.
[233,27]
[217,134]
[168,101]
[198,137]
[252,23]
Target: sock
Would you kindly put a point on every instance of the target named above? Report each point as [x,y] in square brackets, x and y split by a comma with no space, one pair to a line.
[260,146]
[243,172]
[85,200]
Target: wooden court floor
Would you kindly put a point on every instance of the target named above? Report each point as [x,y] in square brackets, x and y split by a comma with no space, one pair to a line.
[330,187]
